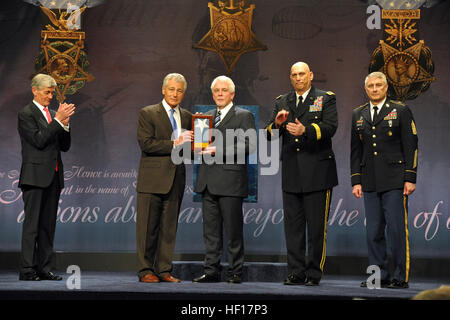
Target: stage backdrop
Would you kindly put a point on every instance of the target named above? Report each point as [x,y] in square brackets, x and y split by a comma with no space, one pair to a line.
[132,45]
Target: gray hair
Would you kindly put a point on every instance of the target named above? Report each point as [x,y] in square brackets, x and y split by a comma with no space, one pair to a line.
[41,81]
[230,82]
[174,76]
[376,74]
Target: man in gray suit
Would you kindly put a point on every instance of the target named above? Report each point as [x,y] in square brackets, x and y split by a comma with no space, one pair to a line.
[160,185]
[223,183]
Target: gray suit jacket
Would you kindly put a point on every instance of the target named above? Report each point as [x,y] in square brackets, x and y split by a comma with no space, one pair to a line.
[156,169]
[228,179]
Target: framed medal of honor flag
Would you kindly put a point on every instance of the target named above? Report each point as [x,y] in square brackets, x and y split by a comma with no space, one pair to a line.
[198,122]
[201,125]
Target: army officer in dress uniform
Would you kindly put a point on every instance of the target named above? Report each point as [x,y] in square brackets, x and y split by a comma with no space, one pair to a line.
[307,120]
[384,168]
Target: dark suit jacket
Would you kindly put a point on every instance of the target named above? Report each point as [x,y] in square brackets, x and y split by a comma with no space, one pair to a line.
[228,179]
[308,162]
[384,152]
[156,169]
[42,144]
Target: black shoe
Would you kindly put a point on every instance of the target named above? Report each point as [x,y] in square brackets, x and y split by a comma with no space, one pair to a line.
[30,276]
[49,276]
[310,282]
[383,284]
[294,280]
[207,278]
[398,284]
[234,279]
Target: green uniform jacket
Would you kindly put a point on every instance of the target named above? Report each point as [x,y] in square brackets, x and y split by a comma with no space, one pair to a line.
[384,152]
[308,162]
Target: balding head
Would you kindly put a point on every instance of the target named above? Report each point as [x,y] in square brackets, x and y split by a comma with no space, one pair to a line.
[301,77]
[301,65]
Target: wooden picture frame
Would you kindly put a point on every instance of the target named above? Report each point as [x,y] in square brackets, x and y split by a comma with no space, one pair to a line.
[200,123]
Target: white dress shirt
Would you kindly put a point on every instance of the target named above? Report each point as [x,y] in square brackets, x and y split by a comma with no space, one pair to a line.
[224,111]
[176,116]
[380,105]
[41,107]
[304,95]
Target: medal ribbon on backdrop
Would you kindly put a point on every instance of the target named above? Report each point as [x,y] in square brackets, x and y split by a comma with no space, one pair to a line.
[231,32]
[62,43]
[402,56]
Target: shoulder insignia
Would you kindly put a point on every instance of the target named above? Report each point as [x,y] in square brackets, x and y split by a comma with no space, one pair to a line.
[330,93]
[413,127]
[278,97]
[398,102]
[361,106]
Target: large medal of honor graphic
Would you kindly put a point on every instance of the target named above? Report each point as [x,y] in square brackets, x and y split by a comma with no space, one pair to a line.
[62,55]
[230,35]
[406,61]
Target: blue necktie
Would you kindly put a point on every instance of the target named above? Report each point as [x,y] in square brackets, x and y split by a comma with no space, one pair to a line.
[217,119]
[173,122]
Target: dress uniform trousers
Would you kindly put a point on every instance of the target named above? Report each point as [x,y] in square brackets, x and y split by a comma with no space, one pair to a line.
[388,208]
[306,215]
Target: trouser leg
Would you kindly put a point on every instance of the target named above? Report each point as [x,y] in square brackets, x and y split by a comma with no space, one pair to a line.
[316,206]
[212,233]
[231,210]
[375,233]
[32,198]
[47,226]
[295,232]
[395,206]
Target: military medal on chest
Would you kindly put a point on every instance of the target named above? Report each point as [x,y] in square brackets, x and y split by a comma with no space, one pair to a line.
[317,105]
[391,116]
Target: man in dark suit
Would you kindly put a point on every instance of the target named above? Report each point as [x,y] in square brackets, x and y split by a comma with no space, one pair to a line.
[307,120]
[384,168]
[223,183]
[44,133]
[161,183]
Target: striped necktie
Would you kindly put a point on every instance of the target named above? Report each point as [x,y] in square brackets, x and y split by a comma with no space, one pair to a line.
[217,119]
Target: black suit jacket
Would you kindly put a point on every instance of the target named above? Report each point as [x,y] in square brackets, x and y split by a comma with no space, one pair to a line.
[384,152]
[42,144]
[308,162]
[228,179]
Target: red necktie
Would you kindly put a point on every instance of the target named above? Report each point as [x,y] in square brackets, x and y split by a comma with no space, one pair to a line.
[47,114]
[49,119]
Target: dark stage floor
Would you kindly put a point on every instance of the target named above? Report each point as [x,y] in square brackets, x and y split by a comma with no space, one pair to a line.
[125,286]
